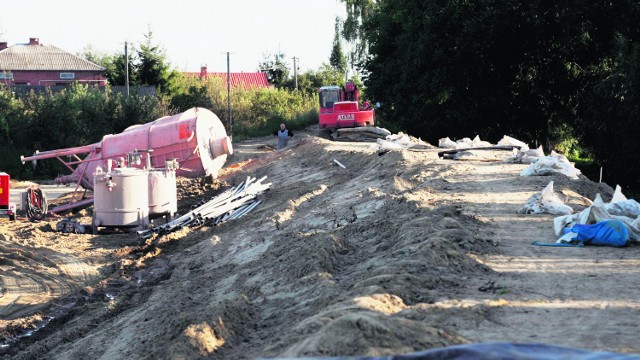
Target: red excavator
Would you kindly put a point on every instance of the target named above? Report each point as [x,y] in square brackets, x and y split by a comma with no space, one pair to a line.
[340,108]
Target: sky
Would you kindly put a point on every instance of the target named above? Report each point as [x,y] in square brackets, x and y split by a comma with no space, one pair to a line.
[192,32]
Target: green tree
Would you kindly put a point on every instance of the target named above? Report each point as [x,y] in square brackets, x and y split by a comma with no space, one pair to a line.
[276,69]
[153,68]
[116,71]
[310,81]
[353,30]
[337,58]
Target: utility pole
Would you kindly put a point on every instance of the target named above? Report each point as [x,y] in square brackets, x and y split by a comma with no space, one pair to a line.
[295,71]
[229,98]
[126,70]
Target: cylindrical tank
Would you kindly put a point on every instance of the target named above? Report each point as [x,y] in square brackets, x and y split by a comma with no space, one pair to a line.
[121,199]
[163,197]
[196,138]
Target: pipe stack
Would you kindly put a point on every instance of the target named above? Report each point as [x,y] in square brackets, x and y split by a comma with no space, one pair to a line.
[231,204]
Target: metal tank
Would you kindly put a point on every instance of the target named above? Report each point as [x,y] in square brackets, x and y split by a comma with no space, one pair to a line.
[163,198]
[121,199]
[196,138]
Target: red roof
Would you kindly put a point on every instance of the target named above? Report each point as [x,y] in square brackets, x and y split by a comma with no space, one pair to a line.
[245,80]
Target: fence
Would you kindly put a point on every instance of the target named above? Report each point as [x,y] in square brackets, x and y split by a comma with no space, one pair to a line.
[24,90]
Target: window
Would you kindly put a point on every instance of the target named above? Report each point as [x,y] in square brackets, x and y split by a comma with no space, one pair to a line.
[327,98]
[67,76]
[6,75]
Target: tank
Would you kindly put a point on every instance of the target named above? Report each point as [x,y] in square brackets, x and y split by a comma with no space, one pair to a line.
[121,199]
[196,138]
[163,198]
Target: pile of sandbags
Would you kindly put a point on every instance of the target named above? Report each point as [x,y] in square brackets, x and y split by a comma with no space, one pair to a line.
[550,165]
[401,141]
[525,155]
[619,208]
[477,149]
[465,143]
[365,133]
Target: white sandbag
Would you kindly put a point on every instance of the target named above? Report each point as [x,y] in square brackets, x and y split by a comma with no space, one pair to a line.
[464,143]
[479,143]
[549,165]
[535,152]
[526,159]
[617,195]
[547,202]
[509,141]
[447,143]
[621,206]
[389,145]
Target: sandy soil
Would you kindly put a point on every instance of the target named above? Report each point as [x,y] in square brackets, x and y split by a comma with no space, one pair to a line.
[394,254]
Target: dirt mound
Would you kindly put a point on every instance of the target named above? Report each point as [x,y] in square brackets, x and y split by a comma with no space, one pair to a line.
[391,254]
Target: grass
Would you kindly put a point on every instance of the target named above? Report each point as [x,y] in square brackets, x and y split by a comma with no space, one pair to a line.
[300,121]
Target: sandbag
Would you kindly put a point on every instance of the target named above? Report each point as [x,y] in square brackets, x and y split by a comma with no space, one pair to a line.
[546,202]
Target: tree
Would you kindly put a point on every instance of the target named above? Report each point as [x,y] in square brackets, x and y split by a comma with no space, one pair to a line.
[310,81]
[276,69]
[154,69]
[97,57]
[337,58]
[116,71]
[353,30]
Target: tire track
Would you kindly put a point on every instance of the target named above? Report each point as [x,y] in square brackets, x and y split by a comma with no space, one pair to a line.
[32,277]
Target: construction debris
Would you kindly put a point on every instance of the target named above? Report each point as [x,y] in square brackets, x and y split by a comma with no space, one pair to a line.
[547,202]
[72,226]
[339,163]
[490,153]
[231,204]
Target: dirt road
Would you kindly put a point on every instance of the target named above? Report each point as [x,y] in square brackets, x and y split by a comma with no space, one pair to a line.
[394,254]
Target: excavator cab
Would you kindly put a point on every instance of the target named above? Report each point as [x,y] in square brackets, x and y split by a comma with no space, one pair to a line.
[329,95]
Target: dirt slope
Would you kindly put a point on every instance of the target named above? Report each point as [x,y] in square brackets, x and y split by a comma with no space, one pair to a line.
[395,254]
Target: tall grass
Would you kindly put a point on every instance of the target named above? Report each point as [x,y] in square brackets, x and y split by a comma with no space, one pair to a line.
[255,112]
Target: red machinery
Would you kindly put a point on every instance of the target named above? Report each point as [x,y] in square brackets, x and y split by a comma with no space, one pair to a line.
[339,108]
[196,139]
[7,208]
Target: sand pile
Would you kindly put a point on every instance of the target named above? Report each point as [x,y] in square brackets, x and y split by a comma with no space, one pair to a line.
[335,261]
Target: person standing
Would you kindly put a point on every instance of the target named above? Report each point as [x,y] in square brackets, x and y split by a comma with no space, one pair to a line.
[283,135]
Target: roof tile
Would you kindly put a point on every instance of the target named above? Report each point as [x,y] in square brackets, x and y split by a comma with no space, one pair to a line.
[245,80]
[43,57]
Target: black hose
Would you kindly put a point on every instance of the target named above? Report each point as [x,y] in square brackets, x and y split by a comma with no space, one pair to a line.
[36,204]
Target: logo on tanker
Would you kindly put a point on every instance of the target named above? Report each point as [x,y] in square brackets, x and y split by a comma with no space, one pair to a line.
[346,117]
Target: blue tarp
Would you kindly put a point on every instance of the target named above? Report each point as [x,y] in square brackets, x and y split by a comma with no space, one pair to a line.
[496,351]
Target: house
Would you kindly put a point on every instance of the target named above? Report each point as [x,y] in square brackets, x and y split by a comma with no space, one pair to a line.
[249,80]
[37,64]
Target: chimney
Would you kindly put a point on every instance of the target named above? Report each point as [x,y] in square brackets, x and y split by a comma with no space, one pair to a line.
[203,71]
[34,41]
[3,45]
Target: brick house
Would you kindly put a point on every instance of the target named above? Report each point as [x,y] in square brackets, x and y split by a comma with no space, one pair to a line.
[242,79]
[37,64]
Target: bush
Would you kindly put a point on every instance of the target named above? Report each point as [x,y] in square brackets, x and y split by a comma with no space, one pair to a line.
[79,115]
[82,115]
